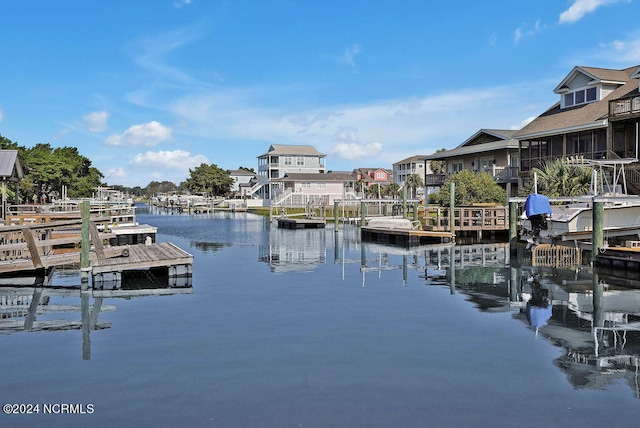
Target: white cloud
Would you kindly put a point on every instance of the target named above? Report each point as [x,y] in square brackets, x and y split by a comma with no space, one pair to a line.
[624,52]
[96,121]
[356,151]
[177,160]
[526,30]
[145,135]
[113,173]
[179,3]
[349,56]
[580,8]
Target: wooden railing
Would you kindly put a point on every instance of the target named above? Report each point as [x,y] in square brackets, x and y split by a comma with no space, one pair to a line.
[624,107]
[494,217]
[502,174]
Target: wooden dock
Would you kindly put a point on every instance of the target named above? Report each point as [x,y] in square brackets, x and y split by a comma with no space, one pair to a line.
[142,257]
[404,237]
[619,257]
[301,223]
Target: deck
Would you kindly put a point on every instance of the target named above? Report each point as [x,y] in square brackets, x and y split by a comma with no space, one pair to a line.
[405,237]
[144,257]
[301,223]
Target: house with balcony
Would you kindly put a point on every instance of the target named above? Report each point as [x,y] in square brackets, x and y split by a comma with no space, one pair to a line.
[495,151]
[241,180]
[409,166]
[283,159]
[314,189]
[595,117]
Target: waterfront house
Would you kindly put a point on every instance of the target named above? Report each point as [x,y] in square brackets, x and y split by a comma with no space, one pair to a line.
[241,179]
[409,166]
[595,117]
[489,150]
[282,159]
[316,189]
[366,177]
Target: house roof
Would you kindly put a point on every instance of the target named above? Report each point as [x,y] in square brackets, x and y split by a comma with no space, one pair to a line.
[317,176]
[10,167]
[241,172]
[501,139]
[597,75]
[586,116]
[416,158]
[292,150]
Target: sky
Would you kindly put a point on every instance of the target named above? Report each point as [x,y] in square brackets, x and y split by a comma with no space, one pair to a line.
[149,89]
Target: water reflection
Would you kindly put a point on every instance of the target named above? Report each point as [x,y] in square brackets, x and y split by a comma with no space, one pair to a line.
[33,304]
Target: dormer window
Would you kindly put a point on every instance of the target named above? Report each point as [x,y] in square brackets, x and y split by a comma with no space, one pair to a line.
[581,96]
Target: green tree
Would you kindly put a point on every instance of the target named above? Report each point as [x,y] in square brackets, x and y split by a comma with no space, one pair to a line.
[414,181]
[156,187]
[47,170]
[439,166]
[555,178]
[209,179]
[472,188]
[392,190]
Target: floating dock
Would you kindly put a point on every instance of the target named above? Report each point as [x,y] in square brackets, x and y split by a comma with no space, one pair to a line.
[144,257]
[301,223]
[619,257]
[404,237]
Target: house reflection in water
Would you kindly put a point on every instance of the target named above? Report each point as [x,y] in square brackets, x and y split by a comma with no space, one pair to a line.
[33,305]
[593,316]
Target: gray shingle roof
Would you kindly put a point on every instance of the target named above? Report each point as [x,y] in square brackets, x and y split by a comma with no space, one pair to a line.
[586,116]
[293,150]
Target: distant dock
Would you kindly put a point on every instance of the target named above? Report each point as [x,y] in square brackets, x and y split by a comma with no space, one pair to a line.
[301,223]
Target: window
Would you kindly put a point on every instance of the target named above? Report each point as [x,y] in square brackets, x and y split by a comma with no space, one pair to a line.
[456,166]
[581,96]
[305,185]
[287,160]
[380,175]
[321,186]
[299,161]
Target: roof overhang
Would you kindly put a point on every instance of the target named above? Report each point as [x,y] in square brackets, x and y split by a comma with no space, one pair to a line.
[596,125]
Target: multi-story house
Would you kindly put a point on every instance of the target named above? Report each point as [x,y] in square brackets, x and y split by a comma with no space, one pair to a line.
[301,189]
[282,159]
[413,165]
[596,117]
[365,177]
[241,179]
[489,150]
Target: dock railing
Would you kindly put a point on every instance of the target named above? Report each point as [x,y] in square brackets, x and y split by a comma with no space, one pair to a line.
[475,218]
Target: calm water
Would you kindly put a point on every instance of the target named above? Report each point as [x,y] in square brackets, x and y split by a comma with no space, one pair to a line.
[287,328]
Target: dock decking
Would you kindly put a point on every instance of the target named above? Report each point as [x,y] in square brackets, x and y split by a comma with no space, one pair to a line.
[301,223]
[405,237]
[143,256]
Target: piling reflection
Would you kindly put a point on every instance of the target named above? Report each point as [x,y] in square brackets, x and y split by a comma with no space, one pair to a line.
[33,304]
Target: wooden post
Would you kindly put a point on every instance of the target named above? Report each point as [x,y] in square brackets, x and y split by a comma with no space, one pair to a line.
[597,232]
[452,206]
[404,201]
[363,213]
[85,214]
[513,225]
[415,211]
[335,215]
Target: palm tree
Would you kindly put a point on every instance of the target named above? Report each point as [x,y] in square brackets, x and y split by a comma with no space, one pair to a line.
[555,178]
[413,182]
[391,189]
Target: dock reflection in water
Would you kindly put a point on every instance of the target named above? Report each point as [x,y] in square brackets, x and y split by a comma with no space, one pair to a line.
[32,304]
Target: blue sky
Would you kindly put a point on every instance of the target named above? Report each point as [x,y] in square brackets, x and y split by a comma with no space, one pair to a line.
[147,89]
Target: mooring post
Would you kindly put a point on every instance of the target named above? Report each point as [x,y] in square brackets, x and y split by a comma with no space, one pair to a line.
[404,201]
[335,215]
[85,215]
[513,225]
[452,206]
[597,232]
[363,213]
